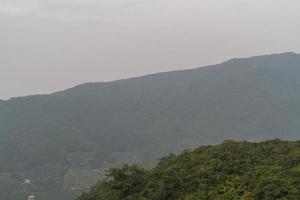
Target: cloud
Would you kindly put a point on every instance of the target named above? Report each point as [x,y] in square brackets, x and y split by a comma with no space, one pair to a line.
[72,9]
[16,10]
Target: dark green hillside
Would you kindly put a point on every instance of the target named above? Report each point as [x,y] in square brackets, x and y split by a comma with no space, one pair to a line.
[230,171]
[62,141]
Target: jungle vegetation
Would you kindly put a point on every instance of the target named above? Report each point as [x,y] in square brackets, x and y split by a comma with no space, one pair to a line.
[231,171]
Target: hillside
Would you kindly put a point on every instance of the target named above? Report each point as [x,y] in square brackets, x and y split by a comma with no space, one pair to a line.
[230,171]
[63,141]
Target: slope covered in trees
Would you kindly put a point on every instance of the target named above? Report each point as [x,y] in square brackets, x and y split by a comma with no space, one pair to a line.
[230,171]
[62,140]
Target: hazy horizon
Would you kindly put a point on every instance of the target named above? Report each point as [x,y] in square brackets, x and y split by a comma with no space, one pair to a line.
[141,75]
[48,46]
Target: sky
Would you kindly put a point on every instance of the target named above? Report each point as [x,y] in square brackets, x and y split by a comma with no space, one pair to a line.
[51,45]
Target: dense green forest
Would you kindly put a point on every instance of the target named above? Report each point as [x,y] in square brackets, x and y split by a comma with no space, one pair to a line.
[230,171]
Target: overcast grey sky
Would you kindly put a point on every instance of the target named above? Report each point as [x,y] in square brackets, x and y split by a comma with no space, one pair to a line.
[49,45]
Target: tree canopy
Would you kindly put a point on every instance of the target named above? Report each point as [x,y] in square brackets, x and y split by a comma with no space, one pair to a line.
[230,171]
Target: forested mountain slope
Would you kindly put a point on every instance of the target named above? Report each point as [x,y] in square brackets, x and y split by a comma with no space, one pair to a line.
[62,141]
[231,171]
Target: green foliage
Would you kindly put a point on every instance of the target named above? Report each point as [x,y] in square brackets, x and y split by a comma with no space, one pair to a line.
[230,171]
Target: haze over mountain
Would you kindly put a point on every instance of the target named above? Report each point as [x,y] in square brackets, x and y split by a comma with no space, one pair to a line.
[49,45]
[61,141]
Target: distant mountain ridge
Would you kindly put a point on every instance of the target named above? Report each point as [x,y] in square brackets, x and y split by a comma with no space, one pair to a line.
[97,125]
